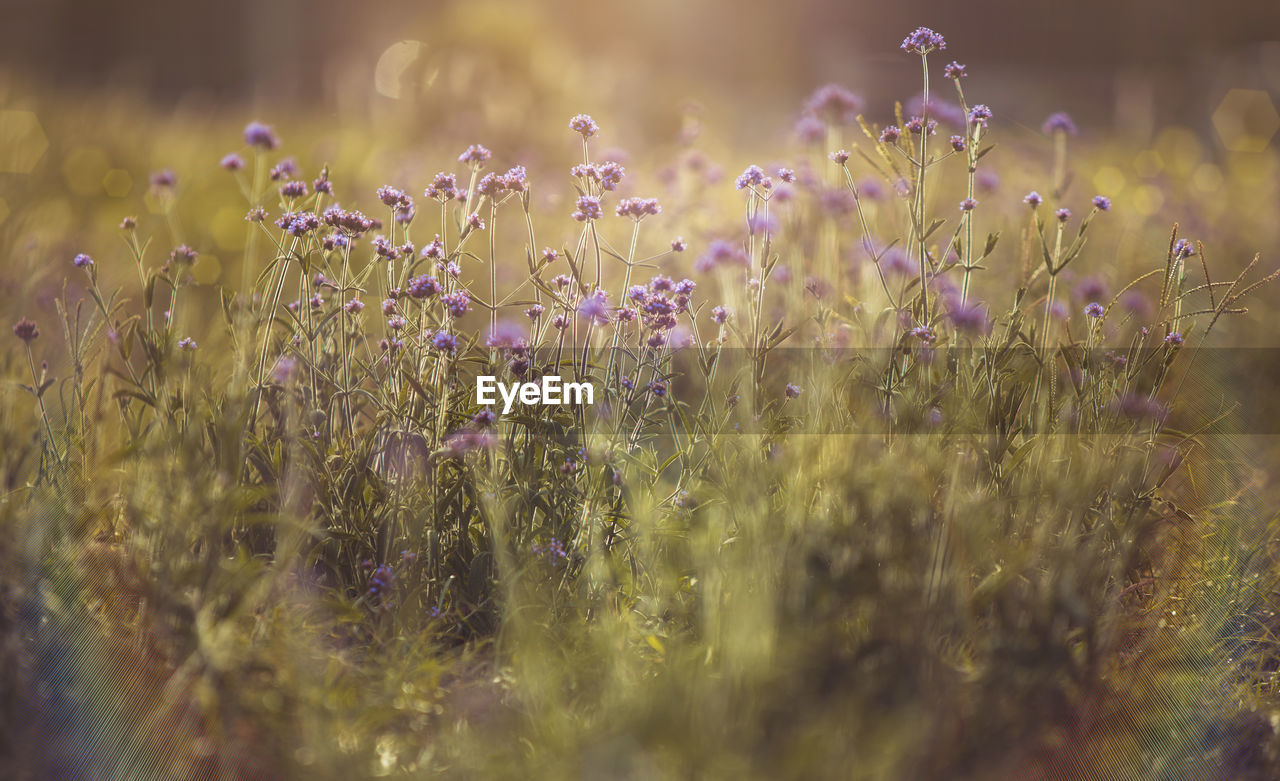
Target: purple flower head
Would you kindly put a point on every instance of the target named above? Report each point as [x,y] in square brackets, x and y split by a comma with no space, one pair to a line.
[1063,214]
[810,130]
[506,335]
[610,174]
[187,343]
[490,185]
[561,280]
[1059,122]
[942,110]
[183,254]
[535,311]
[1174,339]
[390,196]
[968,317]
[256,214]
[638,208]
[968,205]
[595,307]
[1102,203]
[924,333]
[1183,249]
[82,261]
[458,302]
[295,189]
[444,187]
[793,391]
[549,254]
[445,342]
[721,315]
[423,286]
[980,115]
[388,306]
[516,179]
[658,388]
[787,175]
[353,307]
[957,143]
[164,179]
[298,223]
[1033,199]
[752,176]
[1094,310]
[678,244]
[26,330]
[840,156]
[922,40]
[955,71]
[475,222]
[284,169]
[261,136]
[321,184]
[350,222]
[232,162]
[917,125]
[834,105]
[584,124]
[988,181]
[475,156]
[588,208]
[890,134]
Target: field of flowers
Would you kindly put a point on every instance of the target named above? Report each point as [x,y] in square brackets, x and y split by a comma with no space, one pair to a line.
[921,446]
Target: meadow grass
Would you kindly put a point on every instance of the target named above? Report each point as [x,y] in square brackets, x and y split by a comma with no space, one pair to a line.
[901,481]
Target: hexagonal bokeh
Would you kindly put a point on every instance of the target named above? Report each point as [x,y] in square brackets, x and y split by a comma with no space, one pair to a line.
[22,141]
[1246,120]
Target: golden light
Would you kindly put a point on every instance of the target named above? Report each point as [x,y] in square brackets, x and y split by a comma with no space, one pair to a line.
[22,142]
[392,64]
[117,183]
[85,168]
[1246,120]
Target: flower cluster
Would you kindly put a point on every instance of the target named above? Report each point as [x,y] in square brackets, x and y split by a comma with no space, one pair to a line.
[922,40]
[638,208]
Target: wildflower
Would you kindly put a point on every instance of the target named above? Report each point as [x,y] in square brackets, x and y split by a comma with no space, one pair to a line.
[968,205]
[610,174]
[980,115]
[1059,122]
[261,136]
[1033,199]
[490,185]
[890,134]
[917,125]
[658,387]
[187,343]
[26,330]
[321,184]
[553,551]
[584,124]
[317,301]
[164,180]
[458,302]
[516,179]
[924,333]
[1063,214]
[396,322]
[297,223]
[787,175]
[957,143]
[638,208]
[475,221]
[295,189]
[381,580]
[561,280]
[445,342]
[1094,310]
[535,311]
[678,244]
[350,222]
[1174,339]
[1183,249]
[1102,203]
[353,307]
[443,187]
[793,390]
[549,254]
[475,156]
[232,162]
[588,209]
[423,286]
[183,254]
[834,104]
[128,223]
[968,317]
[82,261]
[922,40]
[595,307]
[391,196]
[752,176]
[954,71]
[840,156]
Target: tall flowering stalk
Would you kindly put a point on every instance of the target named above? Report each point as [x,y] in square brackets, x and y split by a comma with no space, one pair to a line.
[922,41]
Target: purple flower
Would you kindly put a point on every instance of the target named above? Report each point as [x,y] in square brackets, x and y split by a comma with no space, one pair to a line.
[443,187]
[475,222]
[256,214]
[584,124]
[595,307]
[955,71]
[610,174]
[1059,122]
[968,205]
[968,317]
[549,254]
[321,184]
[917,125]
[834,104]
[922,40]
[980,115]
[957,143]
[82,261]
[793,390]
[1094,310]
[787,175]
[423,286]
[753,176]
[445,342]
[678,244]
[890,134]
[475,156]
[26,330]
[391,196]
[232,162]
[535,311]
[458,302]
[638,208]
[353,307]
[183,254]
[187,343]
[1183,249]
[1102,203]
[164,179]
[720,315]
[1063,214]
[659,388]
[1174,339]
[1033,199]
[588,208]
[295,189]
[516,179]
[261,136]
[840,156]
[298,223]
